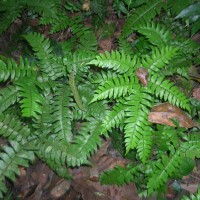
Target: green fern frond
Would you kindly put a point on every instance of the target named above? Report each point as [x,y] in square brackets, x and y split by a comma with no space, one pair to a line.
[45,7]
[62,115]
[12,157]
[115,60]
[143,14]
[155,33]
[11,10]
[78,61]
[136,122]
[165,89]
[12,128]
[58,23]
[43,122]
[88,42]
[49,148]
[85,36]
[51,65]
[30,98]
[119,175]
[98,77]
[116,87]
[145,144]
[159,58]
[86,142]
[97,109]
[12,71]
[125,47]
[191,148]
[164,168]
[115,116]
[8,96]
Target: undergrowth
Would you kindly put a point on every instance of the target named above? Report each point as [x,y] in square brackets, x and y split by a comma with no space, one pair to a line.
[45,94]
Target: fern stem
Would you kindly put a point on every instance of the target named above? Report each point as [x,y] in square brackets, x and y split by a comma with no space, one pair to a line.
[75,90]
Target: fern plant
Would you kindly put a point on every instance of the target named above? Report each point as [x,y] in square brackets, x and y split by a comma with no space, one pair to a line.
[46,99]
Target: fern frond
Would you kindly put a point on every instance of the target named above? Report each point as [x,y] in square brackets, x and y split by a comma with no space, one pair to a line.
[116,87]
[12,71]
[143,14]
[119,175]
[12,157]
[159,58]
[43,122]
[12,128]
[155,33]
[136,123]
[45,7]
[51,65]
[86,142]
[8,96]
[62,115]
[115,60]
[125,47]
[115,116]
[165,89]
[58,23]
[191,148]
[78,61]
[85,36]
[88,42]
[164,168]
[31,99]
[11,10]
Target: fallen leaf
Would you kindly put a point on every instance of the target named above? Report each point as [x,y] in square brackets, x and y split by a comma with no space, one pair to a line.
[196,93]
[162,113]
[142,74]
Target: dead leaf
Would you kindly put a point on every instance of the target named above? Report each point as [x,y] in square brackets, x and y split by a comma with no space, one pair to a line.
[196,93]
[142,74]
[106,44]
[86,179]
[162,113]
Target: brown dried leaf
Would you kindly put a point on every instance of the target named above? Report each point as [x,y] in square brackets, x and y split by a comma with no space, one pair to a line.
[196,93]
[142,74]
[105,44]
[86,179]
[162,113]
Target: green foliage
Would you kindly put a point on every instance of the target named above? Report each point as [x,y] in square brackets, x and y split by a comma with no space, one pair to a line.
[59,106]
[195,196]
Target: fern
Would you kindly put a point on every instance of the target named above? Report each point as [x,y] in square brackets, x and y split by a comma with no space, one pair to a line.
[119,175]
[11,157]
[86,142]
[165,89]
[143,14]
[119,62]
[159,58]
[12,129]
[52,67]
[156,34]
[137,110]
[61,114]
[31,99]
[115,117]
[8,96]
[12,71]
[11,10]
[164,168]
[115,88]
